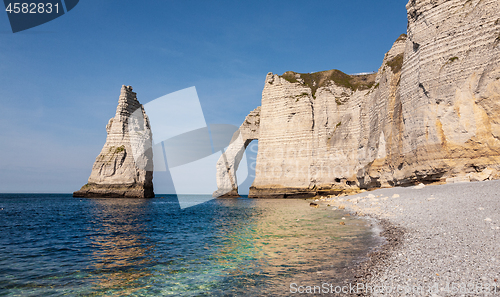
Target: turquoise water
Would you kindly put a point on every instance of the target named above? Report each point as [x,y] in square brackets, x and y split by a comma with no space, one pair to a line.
[54,245]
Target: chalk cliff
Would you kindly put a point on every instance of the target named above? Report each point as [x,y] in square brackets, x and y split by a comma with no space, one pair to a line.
[430,114]
[450,91]
[227,165]
[124,168]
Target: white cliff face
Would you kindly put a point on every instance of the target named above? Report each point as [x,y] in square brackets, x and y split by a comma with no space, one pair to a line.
[450,88]
[430,114]
[124,168]
[311,126]
[317,131]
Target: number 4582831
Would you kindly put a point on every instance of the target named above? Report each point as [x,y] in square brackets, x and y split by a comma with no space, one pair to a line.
[32,8]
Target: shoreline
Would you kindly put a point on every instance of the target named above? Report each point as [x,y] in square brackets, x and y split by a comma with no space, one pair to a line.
[441,240]
[364,271]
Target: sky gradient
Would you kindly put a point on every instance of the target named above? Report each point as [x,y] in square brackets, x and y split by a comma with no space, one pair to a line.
[60,81]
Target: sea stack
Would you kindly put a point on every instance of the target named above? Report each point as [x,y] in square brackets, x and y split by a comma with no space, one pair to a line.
[124,168]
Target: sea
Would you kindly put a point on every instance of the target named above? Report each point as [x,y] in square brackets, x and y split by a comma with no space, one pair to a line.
[57,245]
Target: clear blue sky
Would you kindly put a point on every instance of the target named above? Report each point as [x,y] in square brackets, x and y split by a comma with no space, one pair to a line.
[60,81]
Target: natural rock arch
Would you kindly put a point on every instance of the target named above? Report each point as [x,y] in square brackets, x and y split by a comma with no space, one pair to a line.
[227,165]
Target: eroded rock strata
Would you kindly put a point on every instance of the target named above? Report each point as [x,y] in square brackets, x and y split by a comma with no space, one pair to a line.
[124,168]
[430,114]
[227,165]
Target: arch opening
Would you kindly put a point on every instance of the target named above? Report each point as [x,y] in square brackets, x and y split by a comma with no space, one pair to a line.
[228,163]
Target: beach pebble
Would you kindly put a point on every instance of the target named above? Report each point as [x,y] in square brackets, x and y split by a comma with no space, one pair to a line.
[395,196]
[487,220]
[419,186]
[370,196]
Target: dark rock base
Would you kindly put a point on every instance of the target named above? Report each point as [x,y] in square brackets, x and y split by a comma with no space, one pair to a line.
[115,191]
[296,193]
[231,194]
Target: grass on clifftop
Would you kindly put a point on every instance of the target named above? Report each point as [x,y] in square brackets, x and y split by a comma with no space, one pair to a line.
[396,63]
[401,37]
[320,79]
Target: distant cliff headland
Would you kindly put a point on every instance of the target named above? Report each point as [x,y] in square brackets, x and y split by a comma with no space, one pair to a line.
[430,114]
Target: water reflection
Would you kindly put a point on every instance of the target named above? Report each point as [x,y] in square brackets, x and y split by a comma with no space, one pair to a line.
[120,247]
[300,244]
[263,250]
[222,247]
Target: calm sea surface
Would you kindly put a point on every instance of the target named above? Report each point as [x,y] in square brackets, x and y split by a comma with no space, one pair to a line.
[54,244]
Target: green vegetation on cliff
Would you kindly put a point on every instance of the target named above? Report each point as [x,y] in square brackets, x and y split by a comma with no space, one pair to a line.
[396,63]
[120,149]
[320,79]
[401,37]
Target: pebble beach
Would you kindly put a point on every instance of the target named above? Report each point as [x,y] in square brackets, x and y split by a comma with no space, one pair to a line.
[442,240]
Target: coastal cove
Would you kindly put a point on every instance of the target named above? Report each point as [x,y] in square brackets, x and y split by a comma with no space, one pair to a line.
[53,244]
[309,148]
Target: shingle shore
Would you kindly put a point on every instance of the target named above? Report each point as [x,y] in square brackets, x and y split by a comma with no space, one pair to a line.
[440,237]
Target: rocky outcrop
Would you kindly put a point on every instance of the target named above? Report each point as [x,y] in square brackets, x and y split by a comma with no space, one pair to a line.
[227,165]
[124,168]
[430,114]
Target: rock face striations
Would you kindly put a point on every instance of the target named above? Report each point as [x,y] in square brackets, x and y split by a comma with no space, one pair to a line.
[320,133]
[124,168]
[430,114]
[227,185]
[450,91]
